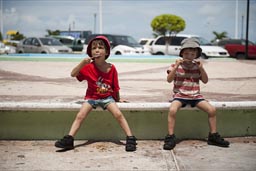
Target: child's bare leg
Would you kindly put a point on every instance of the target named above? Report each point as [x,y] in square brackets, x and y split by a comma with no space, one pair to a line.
[175,106]
[81,115]
[214,137]
[211,110]
[130,139]
[113,108]
[170,139]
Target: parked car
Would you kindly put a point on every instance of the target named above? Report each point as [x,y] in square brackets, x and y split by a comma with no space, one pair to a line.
[6,49]
[10,49]
[42,45]
[3,49]
[121,45]
[159,46]
[146,43]
[76,44]
[236,47]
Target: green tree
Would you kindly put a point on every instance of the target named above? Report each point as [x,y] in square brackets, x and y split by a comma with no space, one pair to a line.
[50,32]
[219,36]
[17,36]
[1,36]
[167,23]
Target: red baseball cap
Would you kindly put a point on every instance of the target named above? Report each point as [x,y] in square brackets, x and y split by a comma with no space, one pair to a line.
[105,40]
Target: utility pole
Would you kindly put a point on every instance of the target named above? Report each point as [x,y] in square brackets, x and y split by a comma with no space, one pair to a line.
[100,16]
[2,18]
[242,27]
[247,29]
[94,30]
[236,21]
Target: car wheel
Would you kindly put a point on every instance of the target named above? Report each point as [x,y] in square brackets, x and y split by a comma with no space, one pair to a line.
[20,51]
[118,53]
[240,56]
[203,56]
[159,53]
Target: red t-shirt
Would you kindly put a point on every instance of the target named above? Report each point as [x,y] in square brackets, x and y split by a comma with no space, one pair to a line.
[100,85]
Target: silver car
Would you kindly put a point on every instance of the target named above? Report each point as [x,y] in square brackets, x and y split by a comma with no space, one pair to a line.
[42,45]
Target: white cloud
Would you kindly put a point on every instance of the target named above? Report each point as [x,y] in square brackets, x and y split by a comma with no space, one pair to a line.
[210,9]
[123,17]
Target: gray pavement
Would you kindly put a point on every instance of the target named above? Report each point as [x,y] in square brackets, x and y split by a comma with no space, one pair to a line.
[47,81]
[96,155]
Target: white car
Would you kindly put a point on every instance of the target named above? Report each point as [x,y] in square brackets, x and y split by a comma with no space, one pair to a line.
[2,48]
[120,45]
[159,46]
[146,43]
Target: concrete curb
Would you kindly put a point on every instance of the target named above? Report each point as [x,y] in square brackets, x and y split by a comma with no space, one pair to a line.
[123,106]
[25,121]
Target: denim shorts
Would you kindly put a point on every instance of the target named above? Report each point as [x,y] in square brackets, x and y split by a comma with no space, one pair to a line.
[184,102]
[103,103]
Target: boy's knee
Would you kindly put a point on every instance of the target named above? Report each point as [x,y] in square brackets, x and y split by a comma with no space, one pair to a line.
[172,112]
[80,117]
[118,115]
[212,111]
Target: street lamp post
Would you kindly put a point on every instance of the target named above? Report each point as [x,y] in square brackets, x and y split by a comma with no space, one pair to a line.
[94,30]
[247,29]
[242,27]
[2,18]
[100,16]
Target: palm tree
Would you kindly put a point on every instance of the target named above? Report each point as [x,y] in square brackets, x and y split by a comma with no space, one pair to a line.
[219,36]
[50,32]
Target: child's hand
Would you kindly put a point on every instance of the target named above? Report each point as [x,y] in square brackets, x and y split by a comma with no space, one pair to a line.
[200,64]
[87,60]
[123,101]
[178,62]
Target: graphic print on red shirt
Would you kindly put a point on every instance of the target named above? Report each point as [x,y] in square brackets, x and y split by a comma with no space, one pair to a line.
[103,87]
[100,84]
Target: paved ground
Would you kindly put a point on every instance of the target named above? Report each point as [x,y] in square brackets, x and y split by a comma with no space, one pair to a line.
[230,80]
[187,155]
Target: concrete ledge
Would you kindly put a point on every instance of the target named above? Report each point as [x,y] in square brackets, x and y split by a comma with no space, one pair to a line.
[37,106]
[23,121]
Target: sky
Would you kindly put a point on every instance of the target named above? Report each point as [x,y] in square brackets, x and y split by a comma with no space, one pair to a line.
[129,17]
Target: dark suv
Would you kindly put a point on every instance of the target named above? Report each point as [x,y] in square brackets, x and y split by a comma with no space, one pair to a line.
[121,45]
[236,47]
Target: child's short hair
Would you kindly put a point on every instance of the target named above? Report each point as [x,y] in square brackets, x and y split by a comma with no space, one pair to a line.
[98,42]
[191,43]
[102,39]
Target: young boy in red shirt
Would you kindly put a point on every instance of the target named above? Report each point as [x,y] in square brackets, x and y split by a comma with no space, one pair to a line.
[186,74]
[103,91]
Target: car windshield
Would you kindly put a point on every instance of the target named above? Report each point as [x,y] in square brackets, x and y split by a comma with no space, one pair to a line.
[127,40]
[50,42]
[203,41]
[243,42]
[143,42]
